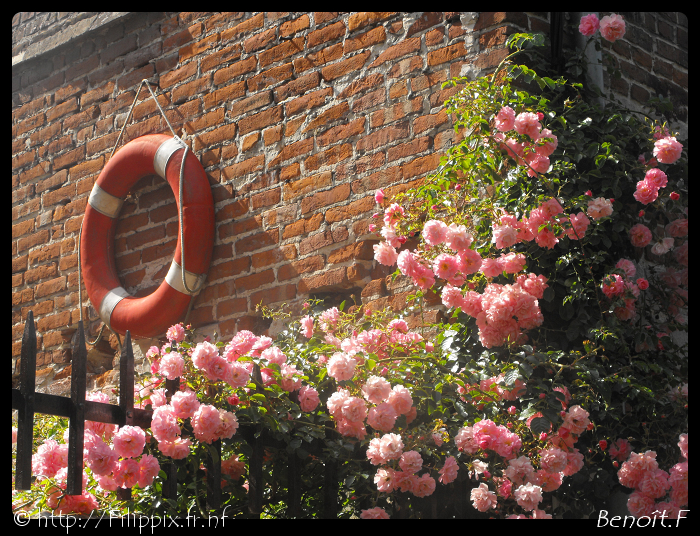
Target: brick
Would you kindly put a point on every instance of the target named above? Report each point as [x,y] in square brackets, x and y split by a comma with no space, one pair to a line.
[341,68]
[299,86]
[259,40]
[325,198]
[235,70]
[411,148]
[329,280]
[427,20]
[239,227]
[302,226]
[39,237]
[445,54]
[254,281]
[281,51]
[257,241]
[307,102]
[382,137]
[428,122]
[331,114]
[421,165]
[22,228]
[29,124]
[303,266]
[253,23]
[325,34]
[191,89]
[251,103]
[399,50]
[270,77]
[261,120]
[361,85]
[225,133]
[228,269]
[245,167]
[274,256]
[41,272]
[177,76]
[365,40]
[214,59]
[265,199]
[354,209]
[318,58]
[292,150]
[198,47]
[341,132]
[50,287]
[375,288]
[330,156]
[53,322]
[144,237]
[306,185]
[370,100]
[249,141]
[280,293]
[56,111]
[291,27]
[357,21]
[229,307]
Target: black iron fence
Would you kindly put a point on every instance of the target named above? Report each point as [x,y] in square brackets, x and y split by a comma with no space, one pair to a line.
[445,502]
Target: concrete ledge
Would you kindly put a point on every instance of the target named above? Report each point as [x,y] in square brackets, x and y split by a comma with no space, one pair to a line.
[75,31]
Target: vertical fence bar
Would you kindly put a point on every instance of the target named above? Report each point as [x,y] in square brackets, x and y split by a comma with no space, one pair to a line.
[25,413]
[170,484]
[293,485]
[126,394]
[76,426]
[255,479]
[330,490]
[213,465]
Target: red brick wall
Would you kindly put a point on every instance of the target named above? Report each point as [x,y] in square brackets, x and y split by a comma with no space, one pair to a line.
[297,118]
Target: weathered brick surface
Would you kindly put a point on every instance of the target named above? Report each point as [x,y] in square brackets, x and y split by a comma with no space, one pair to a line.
[297,118]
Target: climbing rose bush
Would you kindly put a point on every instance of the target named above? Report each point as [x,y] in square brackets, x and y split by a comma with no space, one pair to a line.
[531,248]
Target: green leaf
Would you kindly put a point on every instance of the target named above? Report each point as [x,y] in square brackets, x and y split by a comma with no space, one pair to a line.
[539,425]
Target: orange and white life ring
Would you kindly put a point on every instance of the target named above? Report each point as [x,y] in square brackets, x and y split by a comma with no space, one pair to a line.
[151,315]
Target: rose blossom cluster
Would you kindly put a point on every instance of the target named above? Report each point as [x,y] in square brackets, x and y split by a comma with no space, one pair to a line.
[386,404]
[623,287]
[535,150]
[656,491]
[121,465]
[538,226]
[399,467]
[520,479]
[612,27]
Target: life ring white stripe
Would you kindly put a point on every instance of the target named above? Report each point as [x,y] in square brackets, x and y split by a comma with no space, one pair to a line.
[164,152]
[105,203]
[110,301]
[174,279]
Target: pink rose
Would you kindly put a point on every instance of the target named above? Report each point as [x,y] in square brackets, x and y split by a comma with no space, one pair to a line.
[434,232]
[307,325]
[505,119]
[640,235]
[612,27]
[172,365]
[667,150]
[589,25]
[528,496]
[483,499]
[308,398]
[176,333]
[129,441]
[379,196]
[599,208]
[527,123]
[385,254]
